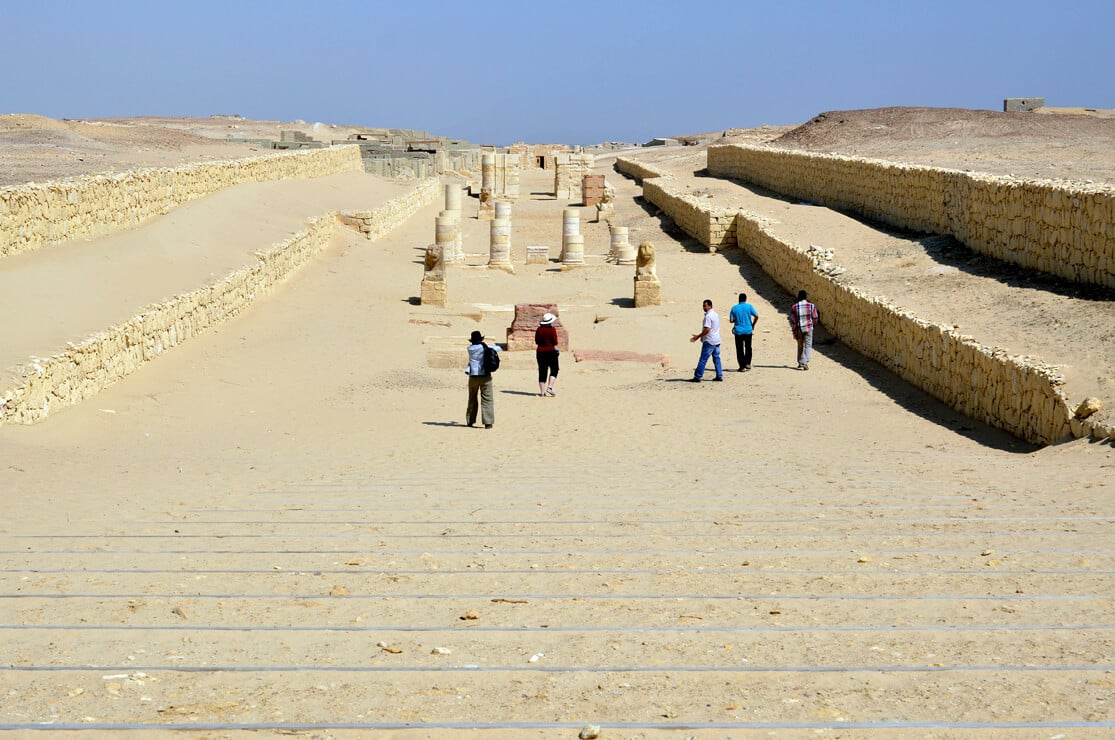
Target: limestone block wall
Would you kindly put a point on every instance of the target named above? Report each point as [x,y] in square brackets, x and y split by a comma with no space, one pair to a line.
[712,226]
[1064,229]
[38,214]
[636,170]
[1019,395]
[376,222]
[568,171]
[88,366]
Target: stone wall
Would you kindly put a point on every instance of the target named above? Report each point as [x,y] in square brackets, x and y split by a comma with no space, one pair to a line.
[713,227]
[85,368]
[38,214]
[568,171]
[1060,228]
[1016,394]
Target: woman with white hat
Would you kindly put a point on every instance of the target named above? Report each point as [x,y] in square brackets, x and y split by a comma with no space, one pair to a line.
[546,337]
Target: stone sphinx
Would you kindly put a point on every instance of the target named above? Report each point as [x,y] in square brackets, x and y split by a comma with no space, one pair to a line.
[645,264]
[433,277]
[648,291]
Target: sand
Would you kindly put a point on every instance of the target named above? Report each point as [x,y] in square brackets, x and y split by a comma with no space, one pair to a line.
[224,539]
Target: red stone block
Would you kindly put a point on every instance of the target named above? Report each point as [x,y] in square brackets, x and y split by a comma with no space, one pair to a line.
[528,317]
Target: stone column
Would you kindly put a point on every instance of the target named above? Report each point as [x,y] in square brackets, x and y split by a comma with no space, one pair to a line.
[445,236]
[503,209]
[618,237]
[487,187]
[499,254]
[626,250]
[570,225]
[452,196]
[574,253]
[453,207]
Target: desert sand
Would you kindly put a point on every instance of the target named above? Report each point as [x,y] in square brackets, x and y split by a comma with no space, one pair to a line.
[285,526]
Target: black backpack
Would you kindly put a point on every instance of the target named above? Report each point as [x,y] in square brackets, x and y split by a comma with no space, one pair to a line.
[491,360]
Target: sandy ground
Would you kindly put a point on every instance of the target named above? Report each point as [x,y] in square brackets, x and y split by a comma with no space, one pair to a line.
[285,525]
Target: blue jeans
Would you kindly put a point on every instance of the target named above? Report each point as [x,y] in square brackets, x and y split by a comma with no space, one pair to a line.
[707,350]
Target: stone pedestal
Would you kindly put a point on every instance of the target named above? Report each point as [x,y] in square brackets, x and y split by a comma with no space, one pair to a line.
[433,292]
[520,335]
[648,292]
[499,255]
[538,255]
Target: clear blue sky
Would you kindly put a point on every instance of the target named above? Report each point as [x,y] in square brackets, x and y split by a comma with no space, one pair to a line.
[497,72]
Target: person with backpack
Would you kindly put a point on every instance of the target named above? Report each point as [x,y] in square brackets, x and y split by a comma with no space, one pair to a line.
[483,360]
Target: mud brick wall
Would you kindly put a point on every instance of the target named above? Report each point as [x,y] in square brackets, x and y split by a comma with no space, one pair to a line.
[1015,394]
[88,366]
[1060,228]
[38,214]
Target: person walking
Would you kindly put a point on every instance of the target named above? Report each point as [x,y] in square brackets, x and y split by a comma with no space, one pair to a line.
[480,382]
[710,343]
[546,352]
[803,319]
[743,317]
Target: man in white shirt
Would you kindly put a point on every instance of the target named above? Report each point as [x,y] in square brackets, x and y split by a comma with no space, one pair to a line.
[710,343]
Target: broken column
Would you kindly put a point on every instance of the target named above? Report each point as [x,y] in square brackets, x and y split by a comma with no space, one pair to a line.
[453,208]
[625,254]
[433,278]
[499,253]
[487,187]
[445,236]
[648,291]
[618,236]
[574,253]
[570,225]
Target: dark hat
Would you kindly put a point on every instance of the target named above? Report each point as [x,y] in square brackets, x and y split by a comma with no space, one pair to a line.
[476,337]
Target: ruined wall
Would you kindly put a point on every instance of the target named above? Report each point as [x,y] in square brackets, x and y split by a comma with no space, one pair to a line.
[568,171]
[87,367]
[713,227]
[1064,229]
[38,214]
[1015,394]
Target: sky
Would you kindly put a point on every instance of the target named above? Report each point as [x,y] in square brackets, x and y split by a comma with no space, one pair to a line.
[573,72]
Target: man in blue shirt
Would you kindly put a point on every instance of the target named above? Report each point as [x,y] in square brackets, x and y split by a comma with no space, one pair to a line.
[744,317]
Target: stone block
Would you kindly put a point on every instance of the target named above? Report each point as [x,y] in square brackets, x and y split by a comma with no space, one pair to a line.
[647,293]
[520,335]
[433,293]
[538,255]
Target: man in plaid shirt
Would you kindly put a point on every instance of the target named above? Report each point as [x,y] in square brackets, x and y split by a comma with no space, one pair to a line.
[803,317]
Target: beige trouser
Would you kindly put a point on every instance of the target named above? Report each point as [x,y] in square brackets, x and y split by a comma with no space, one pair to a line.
[481,384]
